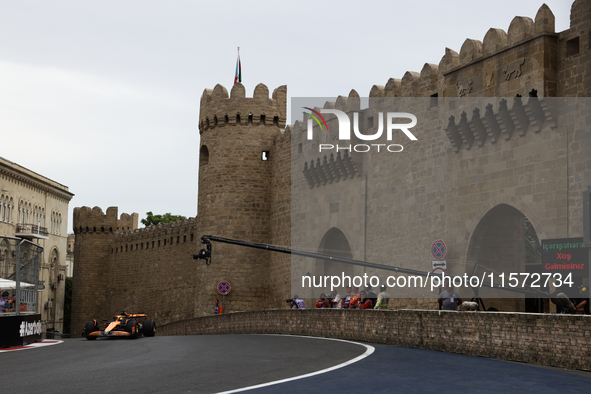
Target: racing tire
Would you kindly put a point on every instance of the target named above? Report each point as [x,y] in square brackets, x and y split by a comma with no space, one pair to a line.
[132,328]
[90,327]
[149,328]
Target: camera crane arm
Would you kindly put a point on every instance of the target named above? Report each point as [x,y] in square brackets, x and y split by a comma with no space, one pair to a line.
[206,255]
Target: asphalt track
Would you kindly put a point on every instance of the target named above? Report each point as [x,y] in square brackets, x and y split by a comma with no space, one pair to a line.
[220,363]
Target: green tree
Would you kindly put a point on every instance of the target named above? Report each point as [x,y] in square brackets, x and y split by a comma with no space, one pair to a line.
[152,219]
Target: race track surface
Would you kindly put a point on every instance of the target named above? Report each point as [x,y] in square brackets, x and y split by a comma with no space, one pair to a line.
[219,363]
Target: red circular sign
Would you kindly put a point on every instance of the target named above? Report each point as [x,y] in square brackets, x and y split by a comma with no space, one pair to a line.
[438,249]
[224,287]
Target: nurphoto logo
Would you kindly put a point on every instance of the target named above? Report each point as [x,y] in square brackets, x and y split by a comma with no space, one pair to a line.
[345,130]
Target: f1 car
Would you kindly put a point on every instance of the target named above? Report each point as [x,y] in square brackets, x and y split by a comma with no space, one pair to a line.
[124,325]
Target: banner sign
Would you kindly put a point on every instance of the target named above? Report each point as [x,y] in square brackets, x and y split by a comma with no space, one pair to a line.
[20,330]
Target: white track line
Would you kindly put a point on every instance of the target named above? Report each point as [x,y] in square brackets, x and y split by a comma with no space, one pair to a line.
[369,350]
[48,342]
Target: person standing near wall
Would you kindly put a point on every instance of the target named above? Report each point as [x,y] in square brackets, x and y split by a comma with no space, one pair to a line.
[347,299]
[354,298]
[336,301]
[449,299]
[322,302]
[371,295]
[383,297]
[298,303]
[219,309]
[4,302]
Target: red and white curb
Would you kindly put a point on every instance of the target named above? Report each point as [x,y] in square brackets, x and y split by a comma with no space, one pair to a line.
[47,342]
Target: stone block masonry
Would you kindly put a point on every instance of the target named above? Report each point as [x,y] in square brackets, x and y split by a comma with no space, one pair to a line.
[476,191]
[545,339]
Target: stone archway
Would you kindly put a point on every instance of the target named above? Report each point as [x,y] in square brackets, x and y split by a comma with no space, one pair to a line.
[505,241]
[335,243]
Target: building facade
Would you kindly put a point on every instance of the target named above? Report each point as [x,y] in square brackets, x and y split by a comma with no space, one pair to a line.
[35,208]
[262,182]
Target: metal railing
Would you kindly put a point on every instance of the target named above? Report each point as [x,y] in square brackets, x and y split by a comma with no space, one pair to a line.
[22,228]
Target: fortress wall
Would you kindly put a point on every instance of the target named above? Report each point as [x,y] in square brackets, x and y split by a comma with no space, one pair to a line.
[280,264]
[530,54]
[541,173]
[446,190]
[153,271]
[555,340]
[95,234]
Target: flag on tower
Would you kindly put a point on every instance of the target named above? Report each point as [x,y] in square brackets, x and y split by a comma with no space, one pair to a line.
[238,76]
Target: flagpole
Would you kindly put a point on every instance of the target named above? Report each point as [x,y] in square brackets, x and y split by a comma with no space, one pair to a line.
[238,75]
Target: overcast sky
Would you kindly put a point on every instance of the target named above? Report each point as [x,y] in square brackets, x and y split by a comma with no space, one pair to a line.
[103,97]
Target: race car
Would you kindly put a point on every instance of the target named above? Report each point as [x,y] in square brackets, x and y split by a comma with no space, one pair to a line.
[124,325]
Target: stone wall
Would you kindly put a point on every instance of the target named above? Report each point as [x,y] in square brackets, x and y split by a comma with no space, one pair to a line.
[538,174]
[545,339]
[94,253]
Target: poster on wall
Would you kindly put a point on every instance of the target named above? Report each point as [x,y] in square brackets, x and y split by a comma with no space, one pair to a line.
[565,256]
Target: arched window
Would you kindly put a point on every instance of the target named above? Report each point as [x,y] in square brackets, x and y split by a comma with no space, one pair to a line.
[53,267]
[10,208]
[3,204]
[203,156]
[3,270]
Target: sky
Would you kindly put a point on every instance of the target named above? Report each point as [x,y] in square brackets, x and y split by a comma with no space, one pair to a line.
[103,97]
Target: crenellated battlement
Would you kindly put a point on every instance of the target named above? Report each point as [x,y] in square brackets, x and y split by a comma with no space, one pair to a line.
[87,220]
[219,110]
[431,80]
[159,230]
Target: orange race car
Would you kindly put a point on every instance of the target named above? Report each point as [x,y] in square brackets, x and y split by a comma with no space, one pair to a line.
[124,325]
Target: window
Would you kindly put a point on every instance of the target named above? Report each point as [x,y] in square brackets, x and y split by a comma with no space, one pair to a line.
[434,100]
[572,46]
[203,156]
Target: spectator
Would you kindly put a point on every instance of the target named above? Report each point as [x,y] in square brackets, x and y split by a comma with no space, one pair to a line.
[347,299]
[354,298]
[322,302]
[4,302]
[383,297]
[364,302]
[219,309]
[371,295]
[449,299]
[336,301]
[12,305]
[298,303]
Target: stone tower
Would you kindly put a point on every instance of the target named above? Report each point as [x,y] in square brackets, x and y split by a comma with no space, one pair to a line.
[95,235]
[236,160]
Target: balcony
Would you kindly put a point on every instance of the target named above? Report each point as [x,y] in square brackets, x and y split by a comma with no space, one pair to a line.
[31,231]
